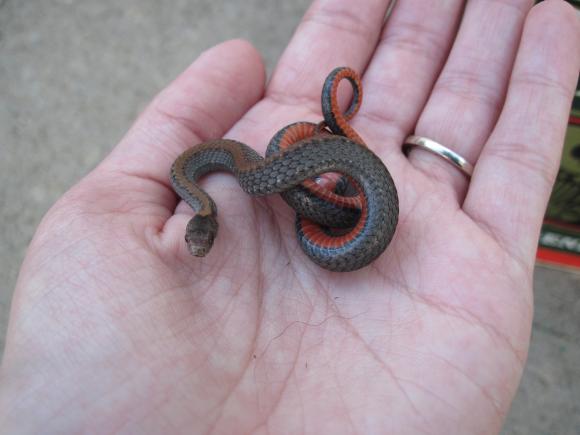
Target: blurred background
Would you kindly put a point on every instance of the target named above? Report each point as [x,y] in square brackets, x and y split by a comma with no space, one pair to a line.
[74,74]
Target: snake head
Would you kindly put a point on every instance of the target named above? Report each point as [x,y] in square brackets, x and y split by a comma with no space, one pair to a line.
[200,234]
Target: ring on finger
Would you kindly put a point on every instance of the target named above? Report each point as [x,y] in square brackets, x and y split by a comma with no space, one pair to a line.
[442,151]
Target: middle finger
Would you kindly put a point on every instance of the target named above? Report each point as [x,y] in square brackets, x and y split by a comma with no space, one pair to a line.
[412,49]
[332,33]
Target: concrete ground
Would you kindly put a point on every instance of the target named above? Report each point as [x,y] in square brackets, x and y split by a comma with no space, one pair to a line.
[74,75]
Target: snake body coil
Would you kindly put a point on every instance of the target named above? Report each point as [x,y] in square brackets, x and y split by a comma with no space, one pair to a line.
[296,155]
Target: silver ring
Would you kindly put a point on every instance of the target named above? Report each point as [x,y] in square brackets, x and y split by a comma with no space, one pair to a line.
[438,149]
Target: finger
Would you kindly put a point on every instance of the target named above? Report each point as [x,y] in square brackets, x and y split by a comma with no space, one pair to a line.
[516,170]
[470,91]
[409,56]
[332,33]
[202,103]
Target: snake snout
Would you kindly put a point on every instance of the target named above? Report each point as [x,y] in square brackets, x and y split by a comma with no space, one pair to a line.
[200,234]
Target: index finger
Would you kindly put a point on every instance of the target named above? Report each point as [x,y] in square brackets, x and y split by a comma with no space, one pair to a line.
[202,103]
[332,33]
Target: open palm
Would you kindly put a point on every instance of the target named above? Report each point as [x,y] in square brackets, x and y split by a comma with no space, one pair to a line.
[115,327]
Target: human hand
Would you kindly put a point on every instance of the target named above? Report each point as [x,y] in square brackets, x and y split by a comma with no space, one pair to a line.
[115,327]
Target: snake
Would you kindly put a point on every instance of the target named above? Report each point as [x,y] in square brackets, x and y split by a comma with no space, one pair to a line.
[345,199]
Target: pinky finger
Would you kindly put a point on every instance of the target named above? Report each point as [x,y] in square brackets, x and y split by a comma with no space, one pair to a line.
[515,172]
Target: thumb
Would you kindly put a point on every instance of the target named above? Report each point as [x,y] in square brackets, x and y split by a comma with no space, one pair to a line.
[204,102]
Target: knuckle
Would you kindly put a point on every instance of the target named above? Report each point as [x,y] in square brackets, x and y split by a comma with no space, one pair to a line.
[471,84]
[342,18]
[543,80]
[521,6]
[529,161]
[416,38]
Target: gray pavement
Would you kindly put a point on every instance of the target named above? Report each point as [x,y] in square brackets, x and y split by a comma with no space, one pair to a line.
[75,74]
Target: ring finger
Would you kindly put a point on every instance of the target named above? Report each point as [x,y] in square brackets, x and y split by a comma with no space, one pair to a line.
[469,93]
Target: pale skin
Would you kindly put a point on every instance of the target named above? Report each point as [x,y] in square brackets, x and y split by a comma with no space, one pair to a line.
[116,328]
